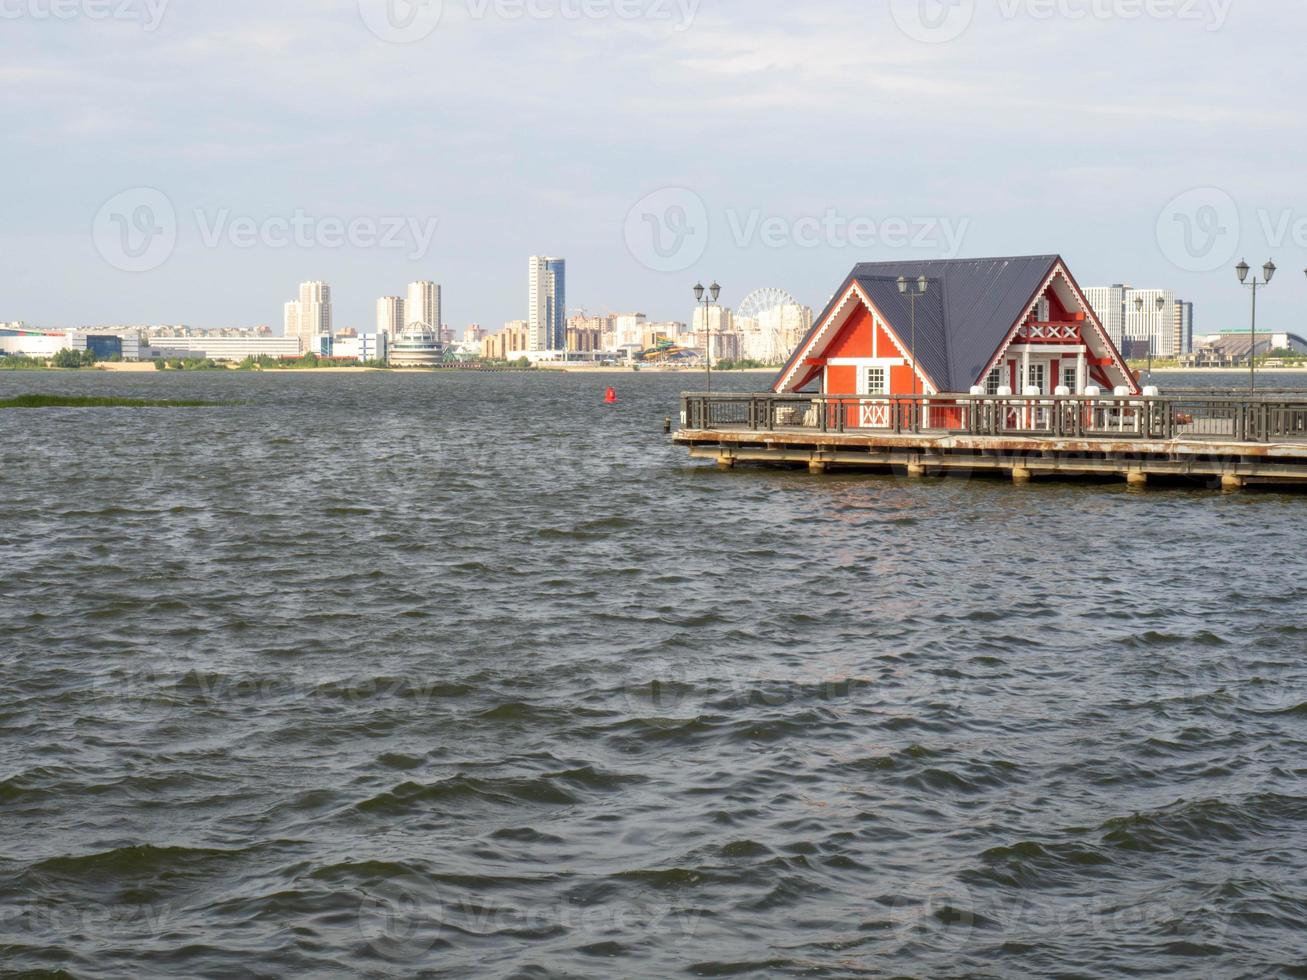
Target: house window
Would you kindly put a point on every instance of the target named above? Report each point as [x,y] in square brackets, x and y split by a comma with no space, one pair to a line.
[1069,378]
[1038,378]
[875,381]
[994,381]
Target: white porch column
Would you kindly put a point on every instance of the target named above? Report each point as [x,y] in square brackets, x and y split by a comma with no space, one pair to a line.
[1025,371]
[1082,373]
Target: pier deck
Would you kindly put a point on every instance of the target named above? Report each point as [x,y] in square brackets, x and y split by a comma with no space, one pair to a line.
[1224,441]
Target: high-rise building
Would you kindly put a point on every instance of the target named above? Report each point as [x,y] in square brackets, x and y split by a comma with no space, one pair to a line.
[315,316]
[1167,332]
[1108,303]
[390,316]
[628,330]
[547,302]
[291,319]
[422,308]
[310,315]
[1152,327]
[1184,327]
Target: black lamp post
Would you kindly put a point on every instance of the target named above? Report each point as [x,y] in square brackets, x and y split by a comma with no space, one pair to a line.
[712,292]
[912,303]
[1139,307]
[1268,273]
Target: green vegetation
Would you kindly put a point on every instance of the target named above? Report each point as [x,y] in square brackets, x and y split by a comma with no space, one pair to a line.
[70,360]
[265,363]
[188,364]
[743,365]
[73,359]
[21,362]
[68,401]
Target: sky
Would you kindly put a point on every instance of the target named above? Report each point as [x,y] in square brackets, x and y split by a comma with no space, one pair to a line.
[192,161]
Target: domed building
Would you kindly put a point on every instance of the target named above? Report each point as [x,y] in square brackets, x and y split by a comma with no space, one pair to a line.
[417,347]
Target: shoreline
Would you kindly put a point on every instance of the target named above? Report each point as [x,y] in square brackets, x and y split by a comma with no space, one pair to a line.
[147,367]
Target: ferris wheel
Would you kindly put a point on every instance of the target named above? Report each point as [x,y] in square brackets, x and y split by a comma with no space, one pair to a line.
[762,333]
[762,301]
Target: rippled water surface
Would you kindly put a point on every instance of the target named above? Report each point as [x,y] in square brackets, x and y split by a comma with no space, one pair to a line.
[474,676]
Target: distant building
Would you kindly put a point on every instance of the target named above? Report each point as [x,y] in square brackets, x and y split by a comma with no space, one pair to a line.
[1153,325]
[417,347]
[422,308]
[1184,327]
[220,348]
[1168,332]
[628,330]
[1231,348]
[547,303]
[309,316]
[509,344]
[1108,303]
[584,339]
[390,316]
[474,334]
[362,347]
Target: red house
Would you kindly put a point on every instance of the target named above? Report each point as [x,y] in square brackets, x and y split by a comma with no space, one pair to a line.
[1002,325]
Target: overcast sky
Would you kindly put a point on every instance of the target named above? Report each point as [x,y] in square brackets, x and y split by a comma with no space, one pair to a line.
[192,161]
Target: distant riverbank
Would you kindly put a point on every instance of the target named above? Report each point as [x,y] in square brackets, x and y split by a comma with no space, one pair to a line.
[147,367]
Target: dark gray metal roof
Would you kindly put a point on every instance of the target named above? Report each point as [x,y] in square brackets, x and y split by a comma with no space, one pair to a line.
[970,307]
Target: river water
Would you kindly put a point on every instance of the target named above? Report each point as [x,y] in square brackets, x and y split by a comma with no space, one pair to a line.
[475,676]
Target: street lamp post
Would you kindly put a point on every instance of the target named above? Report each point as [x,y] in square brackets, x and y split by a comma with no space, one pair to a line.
[1152,334]
[707,297]
[913,296]
[1268,273]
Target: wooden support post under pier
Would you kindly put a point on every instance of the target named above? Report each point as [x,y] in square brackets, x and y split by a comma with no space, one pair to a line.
[1136,478]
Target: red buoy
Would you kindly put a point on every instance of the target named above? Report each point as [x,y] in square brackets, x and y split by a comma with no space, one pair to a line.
[610,397]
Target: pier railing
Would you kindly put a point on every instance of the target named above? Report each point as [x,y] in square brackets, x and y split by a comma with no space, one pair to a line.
[1219,418]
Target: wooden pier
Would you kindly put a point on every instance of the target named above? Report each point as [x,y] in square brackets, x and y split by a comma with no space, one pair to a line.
[1219,441]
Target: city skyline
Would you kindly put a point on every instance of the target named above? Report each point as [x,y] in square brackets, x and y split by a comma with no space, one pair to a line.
[1155,182]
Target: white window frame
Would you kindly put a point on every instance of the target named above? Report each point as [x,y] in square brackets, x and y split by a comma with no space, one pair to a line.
[1038,369]
[1071,377]
[864,379]
[994,380]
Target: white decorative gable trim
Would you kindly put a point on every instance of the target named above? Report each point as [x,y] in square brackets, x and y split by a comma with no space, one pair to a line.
[835,322]
[1060,269]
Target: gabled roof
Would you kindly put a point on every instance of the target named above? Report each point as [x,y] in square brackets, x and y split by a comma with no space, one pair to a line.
[970,308]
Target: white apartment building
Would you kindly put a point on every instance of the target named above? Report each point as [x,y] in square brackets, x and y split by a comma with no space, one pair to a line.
[1168,331]
[629,330]
[310,315]
[719,319]
[390,316]
[422,308]
[1150,324]
[1108,303]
